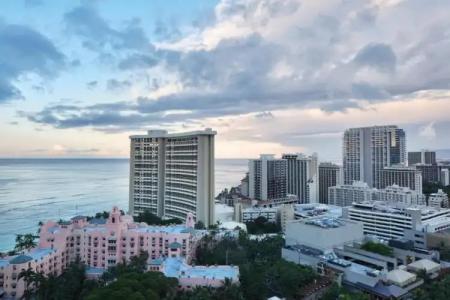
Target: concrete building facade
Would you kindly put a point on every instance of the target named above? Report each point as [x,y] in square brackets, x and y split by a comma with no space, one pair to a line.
[346,194]
[329,175]
[438,200]
[302,177]
[368,150]
[388,221]
[430,172]
[172,175]
[445,177]
[421,157]
[402,176]
[267,178]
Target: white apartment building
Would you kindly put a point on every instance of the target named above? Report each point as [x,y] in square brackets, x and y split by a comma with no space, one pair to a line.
[445,177]
[368,150]
[358,192]
[397,195]
[438,200]
[346,194]
[286,214]
[267,178]
[172,175]
[390,222]
[323,233]
[303,177]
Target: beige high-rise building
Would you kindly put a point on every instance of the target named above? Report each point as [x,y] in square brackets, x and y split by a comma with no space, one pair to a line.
[367,150]
[172,175]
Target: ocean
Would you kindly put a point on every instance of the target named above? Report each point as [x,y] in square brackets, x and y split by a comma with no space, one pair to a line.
[33,190]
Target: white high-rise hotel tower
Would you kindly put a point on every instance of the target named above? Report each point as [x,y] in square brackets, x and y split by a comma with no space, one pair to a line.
[172,175]
[367,150]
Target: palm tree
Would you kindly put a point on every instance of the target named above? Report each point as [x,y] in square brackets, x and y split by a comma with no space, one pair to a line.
[31,279]
[25,241]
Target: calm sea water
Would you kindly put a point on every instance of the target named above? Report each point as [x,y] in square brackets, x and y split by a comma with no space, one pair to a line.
[32,190]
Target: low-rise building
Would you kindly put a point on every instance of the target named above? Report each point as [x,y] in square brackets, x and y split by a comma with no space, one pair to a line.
[387,221]
[190,277]
[438,200]
[323,233]
[431,268]
[358,192]
[252,213]
[346,194]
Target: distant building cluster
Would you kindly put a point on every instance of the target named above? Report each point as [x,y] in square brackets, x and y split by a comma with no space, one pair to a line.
[331,215]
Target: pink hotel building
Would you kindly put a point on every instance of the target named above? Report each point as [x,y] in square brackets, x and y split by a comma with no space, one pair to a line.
[102,243]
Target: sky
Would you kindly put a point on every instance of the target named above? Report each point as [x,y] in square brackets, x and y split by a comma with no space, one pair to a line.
[270,76]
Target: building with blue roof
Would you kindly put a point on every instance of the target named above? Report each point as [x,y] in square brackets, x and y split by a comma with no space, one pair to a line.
[192,276]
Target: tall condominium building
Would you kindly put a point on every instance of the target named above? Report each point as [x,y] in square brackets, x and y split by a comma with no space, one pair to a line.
[402,176]
[329,175]
[172,175]
[267,178]
[302,177]
[445,177]
[368,150]
[421,157]
[430,172]
[359,192]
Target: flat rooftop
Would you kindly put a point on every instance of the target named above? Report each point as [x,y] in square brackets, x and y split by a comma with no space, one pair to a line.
[176,267]
[165,134]
[386,207]
[164,229]
[326,222]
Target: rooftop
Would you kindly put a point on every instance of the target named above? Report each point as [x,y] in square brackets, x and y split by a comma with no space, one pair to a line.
[94,271]
[326,222]
[165,229]
[20,259]
[386,207]
[424,264]
[315,209]
[259,209]
[176,267]
[34,254]
[164,133]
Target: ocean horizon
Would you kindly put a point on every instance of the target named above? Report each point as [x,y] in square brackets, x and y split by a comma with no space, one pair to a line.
[41,189]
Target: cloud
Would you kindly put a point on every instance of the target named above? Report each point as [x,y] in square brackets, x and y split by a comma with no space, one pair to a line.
[428,131]
[23,51]
[96,33]
[264,115]
[92,84]
[378,56]
[114,84]
[269,56]
[137,61]
[59,150]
